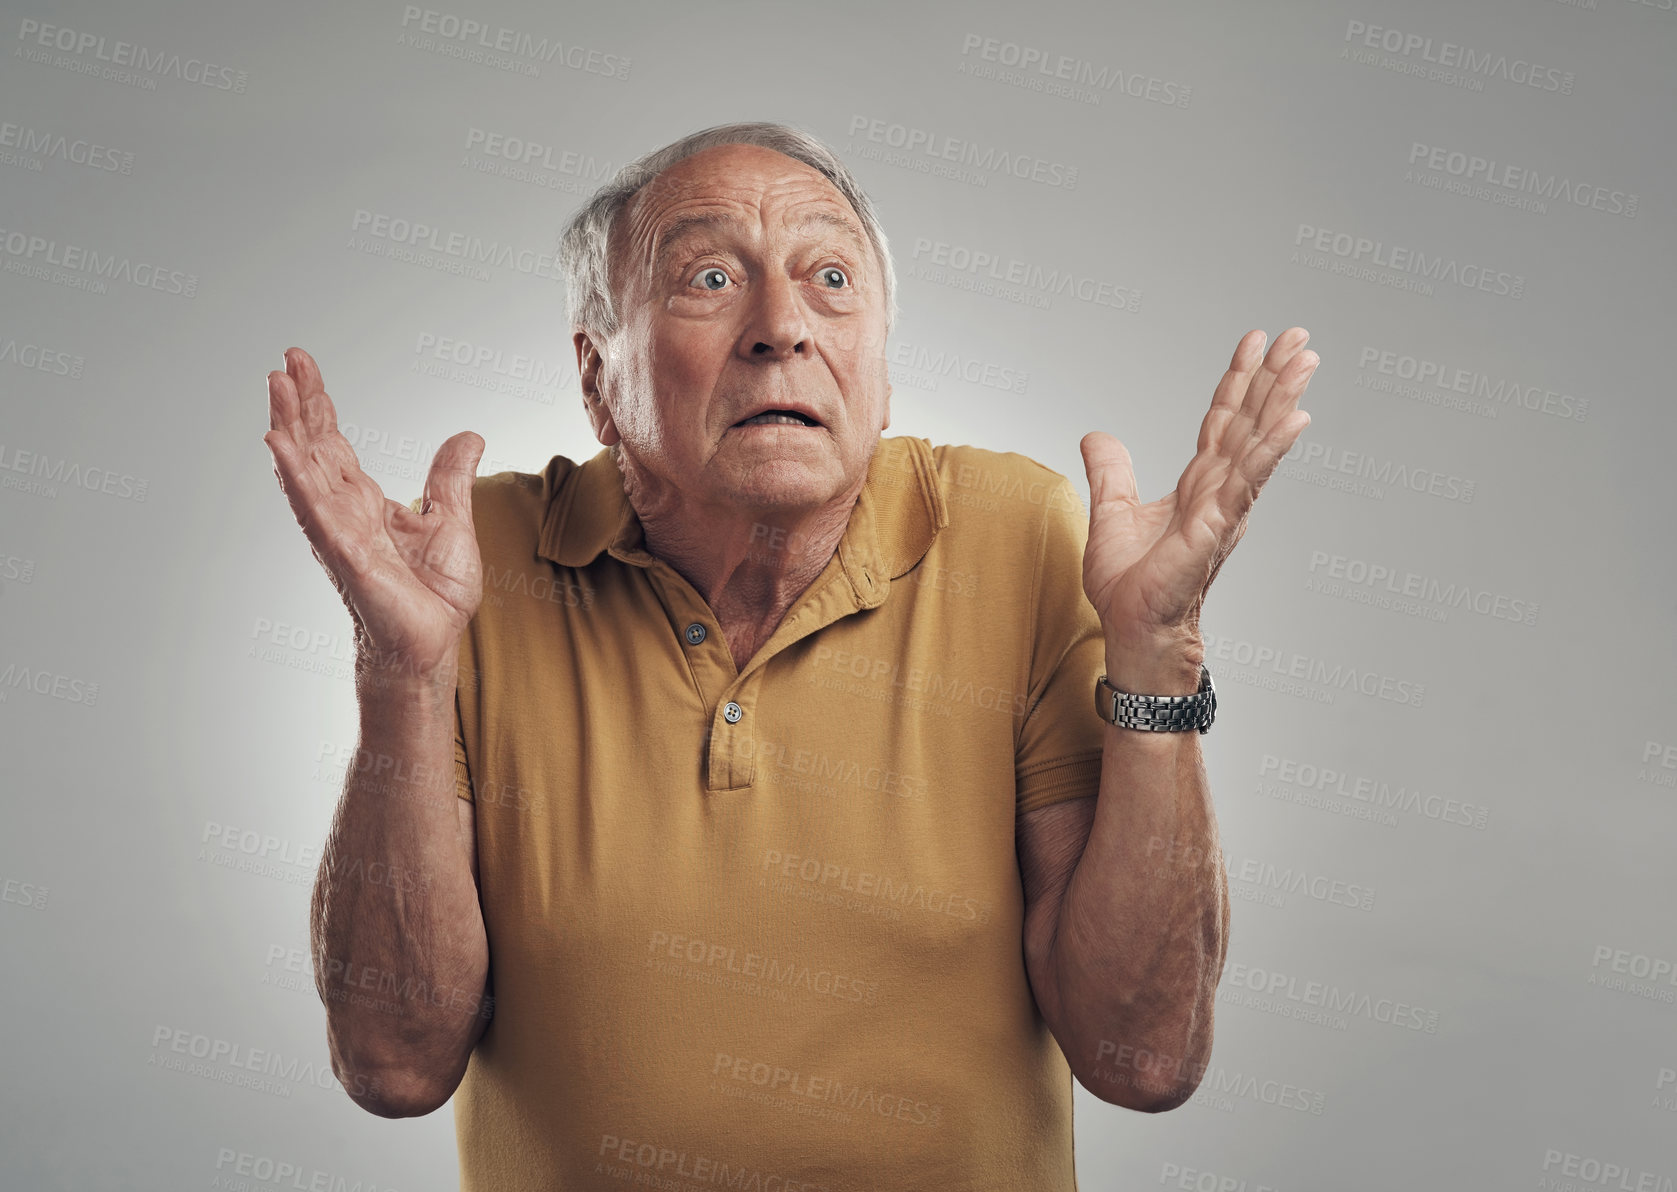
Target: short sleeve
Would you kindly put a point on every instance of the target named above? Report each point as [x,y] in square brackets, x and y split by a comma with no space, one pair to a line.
[1061,738]
[462,773]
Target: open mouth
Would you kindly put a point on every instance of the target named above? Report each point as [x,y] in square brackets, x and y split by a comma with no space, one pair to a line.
[779,418]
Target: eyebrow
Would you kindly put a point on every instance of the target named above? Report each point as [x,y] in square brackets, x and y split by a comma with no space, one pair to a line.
[683,226]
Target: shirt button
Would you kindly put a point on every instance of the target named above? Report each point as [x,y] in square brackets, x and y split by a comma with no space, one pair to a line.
[695,634]
[731,712]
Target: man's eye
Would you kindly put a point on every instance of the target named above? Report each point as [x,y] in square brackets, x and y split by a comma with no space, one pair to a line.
[707,277]
[831,272]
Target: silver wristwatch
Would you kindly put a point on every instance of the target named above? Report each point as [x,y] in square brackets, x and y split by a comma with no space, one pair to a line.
[1158,713]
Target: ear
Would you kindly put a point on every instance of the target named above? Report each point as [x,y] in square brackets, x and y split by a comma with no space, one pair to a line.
[887,425]
[589,363]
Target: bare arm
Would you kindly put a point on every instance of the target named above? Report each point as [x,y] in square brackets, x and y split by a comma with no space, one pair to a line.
[1127,913]
[1127,929]
[400,952]
[401,958]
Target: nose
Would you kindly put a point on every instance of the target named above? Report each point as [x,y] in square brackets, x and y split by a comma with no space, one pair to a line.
[776,327]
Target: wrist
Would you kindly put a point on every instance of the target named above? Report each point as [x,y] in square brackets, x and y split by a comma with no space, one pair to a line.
[403,678]
[1155,664]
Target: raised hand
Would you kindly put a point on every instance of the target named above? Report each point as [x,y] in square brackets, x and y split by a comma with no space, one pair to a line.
[1146,568]
[411,580]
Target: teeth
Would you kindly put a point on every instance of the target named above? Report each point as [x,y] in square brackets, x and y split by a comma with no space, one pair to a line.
[772,419]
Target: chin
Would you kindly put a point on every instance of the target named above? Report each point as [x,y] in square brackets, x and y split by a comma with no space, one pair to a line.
[785,484]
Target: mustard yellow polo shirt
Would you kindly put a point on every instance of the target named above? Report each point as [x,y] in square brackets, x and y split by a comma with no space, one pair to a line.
[762,930]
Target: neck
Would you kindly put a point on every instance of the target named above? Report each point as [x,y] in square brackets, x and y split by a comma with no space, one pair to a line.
[749,565]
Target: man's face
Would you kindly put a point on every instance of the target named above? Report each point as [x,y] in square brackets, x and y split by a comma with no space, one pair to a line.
[744,283]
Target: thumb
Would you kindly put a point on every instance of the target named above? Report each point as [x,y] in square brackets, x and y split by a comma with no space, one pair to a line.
[1111,476]
[448,485]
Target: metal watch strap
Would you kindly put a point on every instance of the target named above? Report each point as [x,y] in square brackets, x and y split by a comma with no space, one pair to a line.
[1158,713]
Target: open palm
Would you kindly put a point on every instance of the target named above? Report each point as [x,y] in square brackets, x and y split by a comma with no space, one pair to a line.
[1146,568]
[411,580]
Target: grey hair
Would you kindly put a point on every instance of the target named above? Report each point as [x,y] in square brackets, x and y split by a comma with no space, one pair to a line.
[584,246]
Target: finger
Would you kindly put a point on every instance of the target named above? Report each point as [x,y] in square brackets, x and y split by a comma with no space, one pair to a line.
[276,413]
[448,485]
[1111,474]
[1286,346]
[1247,479]
[283,411]
[1231,390]
[306,489]
[1289,387]
[319,417]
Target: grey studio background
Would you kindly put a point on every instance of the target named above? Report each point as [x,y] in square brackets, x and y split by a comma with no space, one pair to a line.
[1445,763]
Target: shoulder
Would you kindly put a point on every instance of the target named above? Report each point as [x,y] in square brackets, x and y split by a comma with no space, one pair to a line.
[989,493]
[1000,476]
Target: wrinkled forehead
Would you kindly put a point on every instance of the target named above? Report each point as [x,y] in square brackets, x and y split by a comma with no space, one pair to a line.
[715,188]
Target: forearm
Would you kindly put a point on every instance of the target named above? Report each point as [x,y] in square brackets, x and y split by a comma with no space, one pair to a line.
[400,953]
[1143,927]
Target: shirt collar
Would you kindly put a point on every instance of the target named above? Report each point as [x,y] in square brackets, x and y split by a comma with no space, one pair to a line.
[896,516]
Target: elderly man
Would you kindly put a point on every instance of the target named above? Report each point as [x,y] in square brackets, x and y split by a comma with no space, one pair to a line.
[780,846]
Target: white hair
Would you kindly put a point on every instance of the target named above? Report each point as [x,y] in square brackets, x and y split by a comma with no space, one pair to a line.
[584,246]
